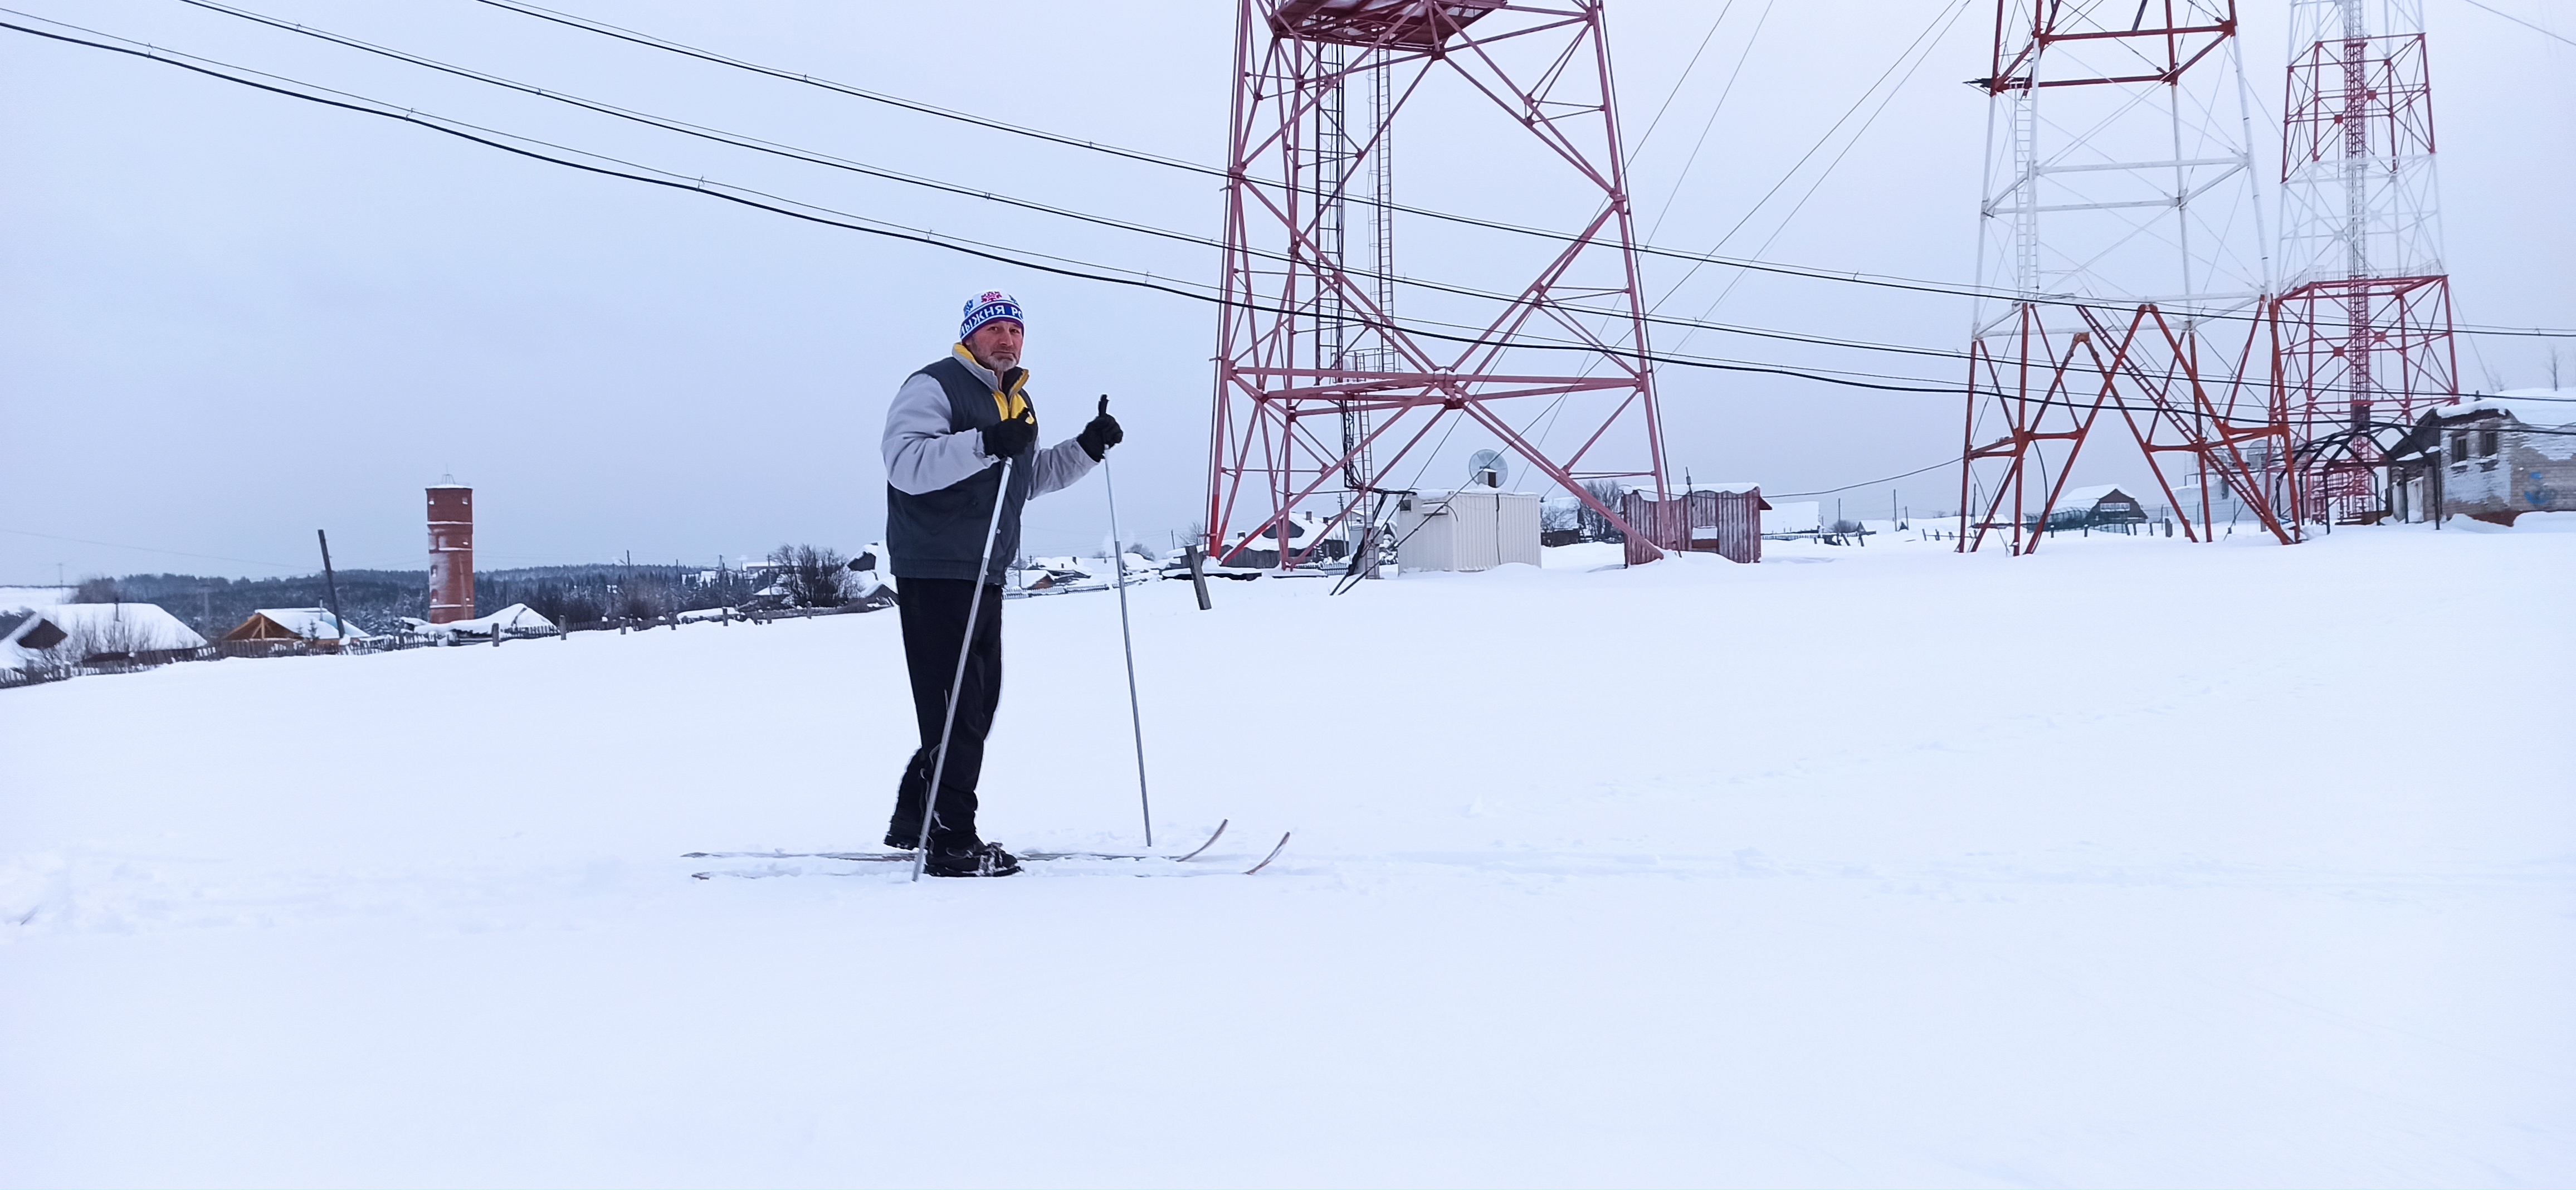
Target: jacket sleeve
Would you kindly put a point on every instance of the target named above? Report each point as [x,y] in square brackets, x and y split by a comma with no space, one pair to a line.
[1058,466]
[921,456]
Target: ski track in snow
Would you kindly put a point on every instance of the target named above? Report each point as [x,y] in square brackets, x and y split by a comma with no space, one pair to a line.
[1907,869]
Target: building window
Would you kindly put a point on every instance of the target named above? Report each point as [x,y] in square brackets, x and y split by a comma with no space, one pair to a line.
[2486,443]
[2459,446]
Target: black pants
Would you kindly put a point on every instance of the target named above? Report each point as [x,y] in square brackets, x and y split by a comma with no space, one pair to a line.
[934,628]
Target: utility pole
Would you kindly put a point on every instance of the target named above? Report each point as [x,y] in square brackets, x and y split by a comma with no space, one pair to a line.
[331,584]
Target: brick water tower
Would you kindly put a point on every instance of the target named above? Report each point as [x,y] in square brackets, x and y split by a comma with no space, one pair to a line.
[451,552]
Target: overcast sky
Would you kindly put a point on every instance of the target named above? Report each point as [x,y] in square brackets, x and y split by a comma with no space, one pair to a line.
[229,318]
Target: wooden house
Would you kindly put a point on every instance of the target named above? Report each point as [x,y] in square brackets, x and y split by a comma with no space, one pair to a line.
[2107,507]
[289,629]
[96,635]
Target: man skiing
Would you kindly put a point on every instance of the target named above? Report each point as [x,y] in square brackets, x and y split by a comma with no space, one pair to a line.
[949,427]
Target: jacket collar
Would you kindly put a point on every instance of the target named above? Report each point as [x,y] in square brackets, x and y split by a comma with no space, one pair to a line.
[1010,398]
[1019,376]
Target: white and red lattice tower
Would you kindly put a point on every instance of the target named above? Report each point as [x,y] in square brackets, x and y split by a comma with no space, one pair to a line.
[1320,392]
[2124,268]
[2365,309]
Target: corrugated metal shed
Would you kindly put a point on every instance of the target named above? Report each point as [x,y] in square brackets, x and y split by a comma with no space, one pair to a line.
[1725,520]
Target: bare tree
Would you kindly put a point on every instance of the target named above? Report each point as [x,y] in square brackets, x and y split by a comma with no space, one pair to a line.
[811,574]
[1596,527]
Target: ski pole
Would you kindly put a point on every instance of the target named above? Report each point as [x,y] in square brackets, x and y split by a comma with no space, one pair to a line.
[1126,638]
[957,684]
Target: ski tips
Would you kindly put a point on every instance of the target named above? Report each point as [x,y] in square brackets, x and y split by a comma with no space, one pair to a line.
[1274,854]
[1211,841]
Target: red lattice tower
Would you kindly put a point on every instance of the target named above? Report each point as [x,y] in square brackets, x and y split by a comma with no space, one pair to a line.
[2123,278]
[2365,314]
[1319,390]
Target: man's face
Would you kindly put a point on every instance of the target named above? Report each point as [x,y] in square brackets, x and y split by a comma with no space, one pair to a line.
[996,344]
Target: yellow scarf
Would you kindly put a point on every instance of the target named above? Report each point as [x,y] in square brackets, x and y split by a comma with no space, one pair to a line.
[1014,403]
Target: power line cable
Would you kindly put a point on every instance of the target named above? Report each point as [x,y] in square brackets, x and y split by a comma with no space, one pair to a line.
[792,152]
[667,45]
[1078,269]
[744,196]
[813,157]
[1649,315]
[450,126]
[1867,483]
[119,545]
[1684,77]
[1919,42]
[684,49]
[703,132]
[1828,171]
[2519,21]
[1711,123]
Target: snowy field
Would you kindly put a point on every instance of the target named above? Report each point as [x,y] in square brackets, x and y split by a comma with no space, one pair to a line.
[2131,863]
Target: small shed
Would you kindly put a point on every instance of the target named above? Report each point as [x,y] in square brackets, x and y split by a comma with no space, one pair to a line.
[1470,529]
[2489,458]
[1718,518]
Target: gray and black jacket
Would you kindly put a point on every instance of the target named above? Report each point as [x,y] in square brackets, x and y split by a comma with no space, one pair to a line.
[940,484]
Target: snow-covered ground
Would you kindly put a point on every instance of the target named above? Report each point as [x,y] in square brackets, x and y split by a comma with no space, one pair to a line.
[2129,863]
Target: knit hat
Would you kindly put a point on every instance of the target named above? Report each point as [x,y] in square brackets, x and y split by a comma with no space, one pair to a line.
[984,308]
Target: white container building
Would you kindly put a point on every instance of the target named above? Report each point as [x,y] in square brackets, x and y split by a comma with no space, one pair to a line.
[1472,529]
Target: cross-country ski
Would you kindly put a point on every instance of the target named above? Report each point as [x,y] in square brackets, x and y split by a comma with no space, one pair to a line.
[890,857]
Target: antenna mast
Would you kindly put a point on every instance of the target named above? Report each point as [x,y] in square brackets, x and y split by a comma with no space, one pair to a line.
[2365,319]
[1307,342]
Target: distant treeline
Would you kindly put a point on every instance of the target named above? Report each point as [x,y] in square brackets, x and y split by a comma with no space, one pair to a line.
[583,594]
[372,599]
[377,600]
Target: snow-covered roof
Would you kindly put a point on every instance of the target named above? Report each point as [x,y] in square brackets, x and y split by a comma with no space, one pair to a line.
[145,625]
[96,628]
[515,618]
[15,625]
[2531,407]
[1672,490]
[2087,497]
[311,623]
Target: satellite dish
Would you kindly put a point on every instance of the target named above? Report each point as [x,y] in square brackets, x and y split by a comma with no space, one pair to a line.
[1488,468]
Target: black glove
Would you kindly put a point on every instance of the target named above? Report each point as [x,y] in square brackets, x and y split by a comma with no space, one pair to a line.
[1101,434]
[1010,439]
